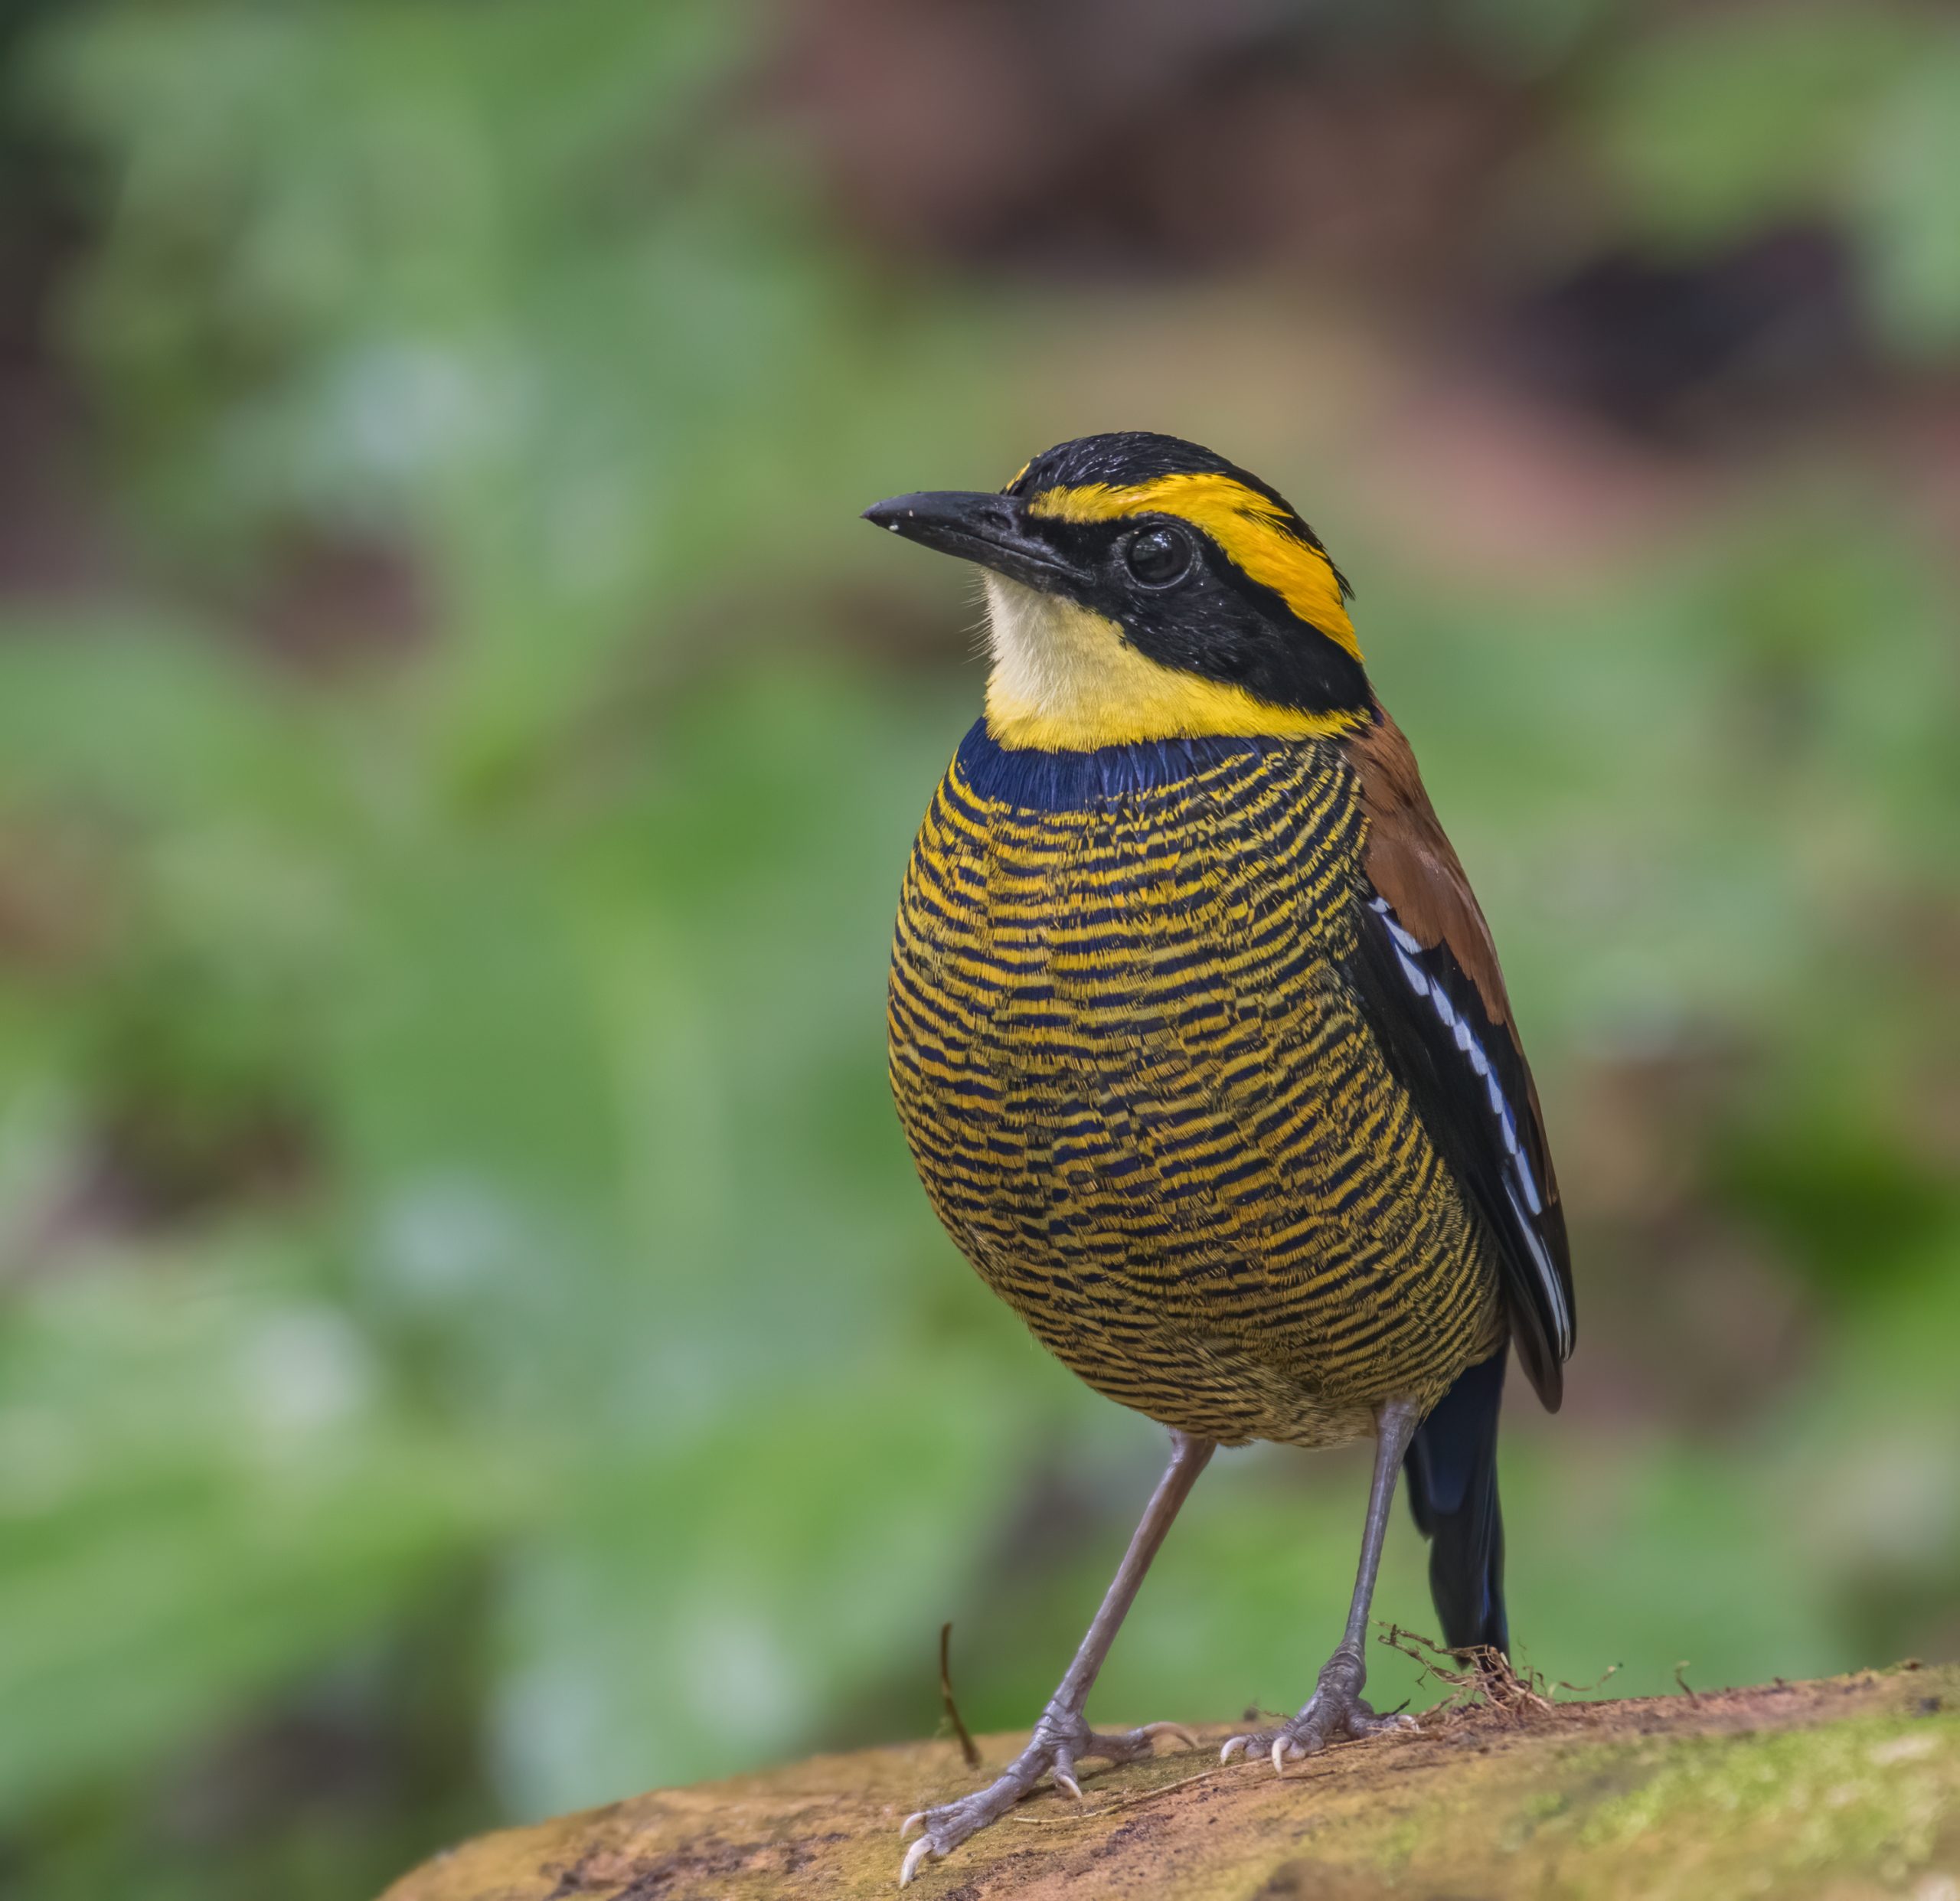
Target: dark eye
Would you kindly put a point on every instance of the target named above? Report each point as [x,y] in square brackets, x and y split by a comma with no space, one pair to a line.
[1160,557]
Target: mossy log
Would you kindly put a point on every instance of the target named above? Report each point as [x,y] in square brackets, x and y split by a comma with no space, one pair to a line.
[1839,1789]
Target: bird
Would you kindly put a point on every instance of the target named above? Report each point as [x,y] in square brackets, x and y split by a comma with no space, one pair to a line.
[1199,1040]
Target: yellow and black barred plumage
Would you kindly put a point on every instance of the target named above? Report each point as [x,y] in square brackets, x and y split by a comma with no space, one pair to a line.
[1198,1038]
[1149,1109]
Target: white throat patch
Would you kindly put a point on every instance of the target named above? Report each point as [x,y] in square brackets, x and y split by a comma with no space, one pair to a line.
[1052,659]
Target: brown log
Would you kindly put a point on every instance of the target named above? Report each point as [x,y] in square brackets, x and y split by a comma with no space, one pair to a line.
[1838,1790]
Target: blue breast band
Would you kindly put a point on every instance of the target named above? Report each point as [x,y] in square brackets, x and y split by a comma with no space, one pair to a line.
[1074,782]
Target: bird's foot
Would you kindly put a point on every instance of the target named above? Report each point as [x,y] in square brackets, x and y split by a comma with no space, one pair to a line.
[1061,1740]
[1334,1714]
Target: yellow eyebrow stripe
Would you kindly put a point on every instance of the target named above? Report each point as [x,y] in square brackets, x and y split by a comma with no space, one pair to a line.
[1249,526]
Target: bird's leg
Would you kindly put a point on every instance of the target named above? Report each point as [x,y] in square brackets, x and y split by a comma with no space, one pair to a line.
[1335,1712]
[1063,1736]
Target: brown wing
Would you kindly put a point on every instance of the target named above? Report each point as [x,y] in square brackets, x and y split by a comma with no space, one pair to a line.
[1428,976]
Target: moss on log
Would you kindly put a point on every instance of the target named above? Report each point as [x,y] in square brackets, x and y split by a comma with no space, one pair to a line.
[1839,1789]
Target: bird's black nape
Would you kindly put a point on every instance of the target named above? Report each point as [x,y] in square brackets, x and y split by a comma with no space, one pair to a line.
[1452,1470]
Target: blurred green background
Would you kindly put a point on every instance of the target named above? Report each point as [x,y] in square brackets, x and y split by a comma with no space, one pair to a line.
[471,1344]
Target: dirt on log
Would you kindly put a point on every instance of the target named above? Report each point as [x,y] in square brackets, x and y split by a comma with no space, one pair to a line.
[1840,1790]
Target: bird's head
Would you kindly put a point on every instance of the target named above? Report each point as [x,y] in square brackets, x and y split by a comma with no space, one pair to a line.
[1139,587]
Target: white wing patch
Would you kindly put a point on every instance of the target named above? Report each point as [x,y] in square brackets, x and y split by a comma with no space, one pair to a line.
[1521,1185]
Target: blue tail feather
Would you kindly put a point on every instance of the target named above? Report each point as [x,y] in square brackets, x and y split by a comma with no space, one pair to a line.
[1452,1467]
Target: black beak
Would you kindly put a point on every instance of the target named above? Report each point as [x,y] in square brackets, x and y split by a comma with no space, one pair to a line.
[992,530]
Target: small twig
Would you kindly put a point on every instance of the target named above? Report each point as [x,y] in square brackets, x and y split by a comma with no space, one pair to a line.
[1683,1681]
[1598,1682]
[1073,1814]
[967,1747]
[1479,1671]
[1085,1814]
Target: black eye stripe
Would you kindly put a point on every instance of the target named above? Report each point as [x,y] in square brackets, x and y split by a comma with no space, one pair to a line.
[1209,617]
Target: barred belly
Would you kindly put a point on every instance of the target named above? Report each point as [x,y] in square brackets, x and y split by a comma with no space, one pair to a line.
[1145,1102]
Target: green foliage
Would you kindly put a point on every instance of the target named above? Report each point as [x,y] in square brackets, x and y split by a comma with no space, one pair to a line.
[1721,122]
[448,1204]
[1909,205]
[209,1487]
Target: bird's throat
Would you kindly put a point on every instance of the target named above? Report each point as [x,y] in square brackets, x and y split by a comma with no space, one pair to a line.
[1064,679]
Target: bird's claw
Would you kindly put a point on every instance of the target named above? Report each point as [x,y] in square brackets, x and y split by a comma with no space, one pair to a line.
[1057,1743]
[1334,1714]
